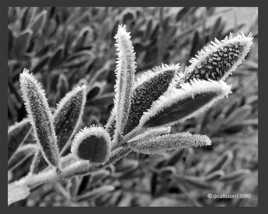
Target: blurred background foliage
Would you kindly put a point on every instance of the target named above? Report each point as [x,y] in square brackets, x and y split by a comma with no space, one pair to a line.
[65,46]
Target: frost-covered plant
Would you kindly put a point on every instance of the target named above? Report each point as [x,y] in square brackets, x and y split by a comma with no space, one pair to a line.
[145,107]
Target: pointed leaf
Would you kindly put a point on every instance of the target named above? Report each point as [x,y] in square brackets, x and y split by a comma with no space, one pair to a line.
[224,160]
[235,176]
[149,87]
[22,154]
[40,116]
[167,142]
[219,59]
[68,115]
[181,104]
[125,71]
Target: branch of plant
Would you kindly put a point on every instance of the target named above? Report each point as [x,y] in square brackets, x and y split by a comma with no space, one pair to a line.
[79,167]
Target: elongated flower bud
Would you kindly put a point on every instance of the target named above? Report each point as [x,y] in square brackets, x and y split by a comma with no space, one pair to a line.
[168,142]
[68,115]
[125,77]
[40,116]
[149,87]
[92,144]
[219,59]
[177,104]
[17,134]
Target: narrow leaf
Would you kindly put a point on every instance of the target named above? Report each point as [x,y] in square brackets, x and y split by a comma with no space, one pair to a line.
[168,142]
[223,161]
[125,76]
[39,22]
[17,134]
[67,119]
[68,115]
[195,182]
[219,59]
[149,87]
[40,116]
[22,42]
[95,193]
[17,192]
[22,154]
[188,101]
[150,133]
[62,87]
[215,176]
[235,176]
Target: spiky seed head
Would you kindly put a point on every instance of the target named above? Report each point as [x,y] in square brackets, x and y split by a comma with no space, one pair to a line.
[68,115]
[93,144]
[219,59]
[149,87]
[167,142]
[17,134]
[188,101]
[125,77]
[40,116]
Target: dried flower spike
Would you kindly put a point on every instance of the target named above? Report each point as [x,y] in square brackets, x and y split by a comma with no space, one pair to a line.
[168,142]
[125,77]
[40,116]
[92,144]
[188,101]
[219,59]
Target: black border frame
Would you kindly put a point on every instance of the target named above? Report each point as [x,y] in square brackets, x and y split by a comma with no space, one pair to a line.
[261,78]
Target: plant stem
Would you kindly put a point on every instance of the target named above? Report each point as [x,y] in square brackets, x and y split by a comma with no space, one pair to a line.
[79,167]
